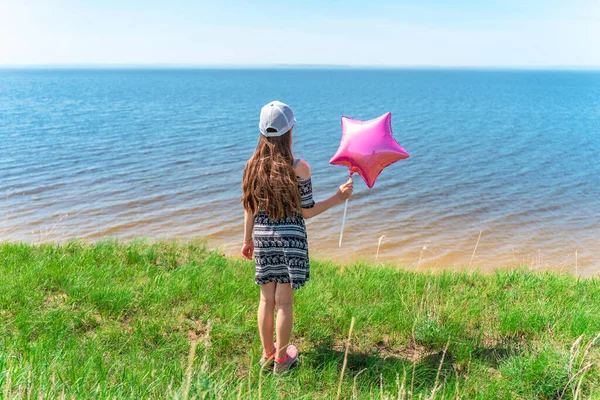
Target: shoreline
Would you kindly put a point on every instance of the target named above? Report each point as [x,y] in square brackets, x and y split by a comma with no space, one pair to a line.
[419,263]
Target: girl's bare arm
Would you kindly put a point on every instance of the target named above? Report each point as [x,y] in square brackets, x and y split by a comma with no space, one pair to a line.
[322,206]
[343,193]
[248,226]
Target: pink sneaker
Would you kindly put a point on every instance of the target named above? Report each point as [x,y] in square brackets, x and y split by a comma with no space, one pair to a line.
[290,359]
[267,361]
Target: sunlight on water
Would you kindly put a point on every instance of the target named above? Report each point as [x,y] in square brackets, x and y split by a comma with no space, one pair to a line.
[95,154]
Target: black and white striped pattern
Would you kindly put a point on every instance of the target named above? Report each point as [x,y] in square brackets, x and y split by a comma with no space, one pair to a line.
[281,247]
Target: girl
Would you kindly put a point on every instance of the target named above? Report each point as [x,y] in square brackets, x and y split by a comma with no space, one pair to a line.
[277,197]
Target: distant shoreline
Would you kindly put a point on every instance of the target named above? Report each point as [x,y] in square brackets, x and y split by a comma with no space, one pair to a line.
[297,67]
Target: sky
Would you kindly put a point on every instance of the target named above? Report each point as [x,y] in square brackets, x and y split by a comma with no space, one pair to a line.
[385,33]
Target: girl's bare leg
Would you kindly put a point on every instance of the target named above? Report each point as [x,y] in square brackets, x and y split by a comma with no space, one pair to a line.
[266,311]
[284,299]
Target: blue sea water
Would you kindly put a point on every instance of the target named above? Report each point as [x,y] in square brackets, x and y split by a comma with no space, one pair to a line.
[91,154]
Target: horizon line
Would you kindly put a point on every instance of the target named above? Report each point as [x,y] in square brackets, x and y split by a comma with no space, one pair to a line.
[291,66]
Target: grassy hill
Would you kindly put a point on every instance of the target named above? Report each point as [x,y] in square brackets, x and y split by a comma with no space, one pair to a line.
[166,319]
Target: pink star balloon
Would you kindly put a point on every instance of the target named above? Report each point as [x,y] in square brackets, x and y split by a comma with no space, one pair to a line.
[367,147]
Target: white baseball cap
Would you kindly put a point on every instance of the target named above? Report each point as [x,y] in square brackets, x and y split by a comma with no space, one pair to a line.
[277,116]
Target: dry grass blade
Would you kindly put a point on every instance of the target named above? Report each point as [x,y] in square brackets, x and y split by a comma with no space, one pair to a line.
[378,246]
[588,348]
[573,354]
[206,343]
[260,382]
[437,376]
[52,229]
[457,391]
[188,375]
[401,388]
[169,388]
[421,253]
[239,396]
[475,249]
[8,382]
[29,387]
[249,374]
[412,382]
[339,392]
[577,394]
[581,371]
[53,383]
[354,392]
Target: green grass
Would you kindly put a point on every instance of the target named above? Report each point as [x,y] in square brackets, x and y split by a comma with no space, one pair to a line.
[124,320]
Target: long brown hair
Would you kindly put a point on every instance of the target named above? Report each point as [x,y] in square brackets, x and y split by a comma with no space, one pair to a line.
[270,183]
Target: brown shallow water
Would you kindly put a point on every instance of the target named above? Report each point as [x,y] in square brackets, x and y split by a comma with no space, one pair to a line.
[433,249]
[446,244]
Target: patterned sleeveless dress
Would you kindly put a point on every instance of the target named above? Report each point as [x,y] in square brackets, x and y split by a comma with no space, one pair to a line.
[281,246]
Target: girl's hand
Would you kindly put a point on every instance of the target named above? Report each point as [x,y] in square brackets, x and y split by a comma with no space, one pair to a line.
[345,191]
[248,250]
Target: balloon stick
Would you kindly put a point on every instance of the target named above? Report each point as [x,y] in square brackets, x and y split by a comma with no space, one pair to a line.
[344,217]
[343,222]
